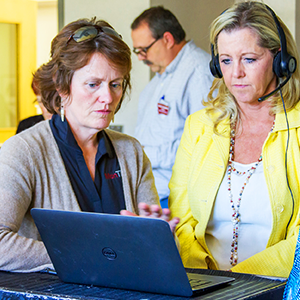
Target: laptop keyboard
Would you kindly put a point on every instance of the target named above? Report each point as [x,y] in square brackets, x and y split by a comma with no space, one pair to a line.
[197,283]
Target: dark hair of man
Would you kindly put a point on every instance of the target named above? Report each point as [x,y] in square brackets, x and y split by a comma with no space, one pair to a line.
[160,20]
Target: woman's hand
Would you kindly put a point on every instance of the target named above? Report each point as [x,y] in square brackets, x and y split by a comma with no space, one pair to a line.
[154,211]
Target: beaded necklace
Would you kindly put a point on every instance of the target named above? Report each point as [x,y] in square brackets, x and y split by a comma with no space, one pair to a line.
[235,209]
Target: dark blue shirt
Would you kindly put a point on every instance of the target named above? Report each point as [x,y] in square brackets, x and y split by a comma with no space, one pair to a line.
[104,194]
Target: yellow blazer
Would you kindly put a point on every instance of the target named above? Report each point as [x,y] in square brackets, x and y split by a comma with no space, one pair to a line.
[200,166]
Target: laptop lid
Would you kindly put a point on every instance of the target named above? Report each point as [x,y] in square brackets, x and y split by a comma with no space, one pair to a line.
[117,251]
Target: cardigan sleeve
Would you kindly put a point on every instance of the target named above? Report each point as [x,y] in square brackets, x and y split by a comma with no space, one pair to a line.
[146,190]
[18,253]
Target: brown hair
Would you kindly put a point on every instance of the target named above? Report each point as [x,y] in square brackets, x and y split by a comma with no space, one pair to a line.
[35,86]
[67,56]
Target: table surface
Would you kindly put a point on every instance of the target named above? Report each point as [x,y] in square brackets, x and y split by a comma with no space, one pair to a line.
[43,285]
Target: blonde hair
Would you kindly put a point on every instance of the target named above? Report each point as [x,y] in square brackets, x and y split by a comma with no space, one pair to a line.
[258,18]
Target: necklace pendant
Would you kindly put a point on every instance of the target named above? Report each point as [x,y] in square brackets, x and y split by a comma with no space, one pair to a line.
[235,220]
[233,258]
[234,261]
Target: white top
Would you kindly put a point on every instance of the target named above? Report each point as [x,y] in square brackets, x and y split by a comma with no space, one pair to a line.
[165,103]
[255,215]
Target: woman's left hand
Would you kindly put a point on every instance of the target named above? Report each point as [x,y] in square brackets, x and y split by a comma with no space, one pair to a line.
[154,211]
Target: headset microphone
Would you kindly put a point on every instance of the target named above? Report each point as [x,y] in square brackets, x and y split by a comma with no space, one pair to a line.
[281,85]
[284,64]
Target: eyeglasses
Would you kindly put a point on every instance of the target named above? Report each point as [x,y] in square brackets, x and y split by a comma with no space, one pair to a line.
[143,50]
[87,33]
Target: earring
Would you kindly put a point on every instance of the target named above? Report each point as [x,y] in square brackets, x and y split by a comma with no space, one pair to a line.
[62,111]
[113,118]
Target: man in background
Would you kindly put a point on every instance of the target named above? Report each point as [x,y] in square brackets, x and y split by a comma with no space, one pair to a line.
[182,81]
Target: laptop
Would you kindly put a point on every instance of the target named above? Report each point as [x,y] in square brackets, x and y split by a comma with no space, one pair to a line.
[115,251]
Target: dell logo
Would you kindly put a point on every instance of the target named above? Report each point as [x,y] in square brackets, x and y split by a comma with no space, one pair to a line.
[109,253]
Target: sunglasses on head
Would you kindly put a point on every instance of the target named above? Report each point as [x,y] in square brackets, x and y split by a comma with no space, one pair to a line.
[90,32]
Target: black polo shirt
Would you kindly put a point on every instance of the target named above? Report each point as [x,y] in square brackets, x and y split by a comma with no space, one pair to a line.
[104,194]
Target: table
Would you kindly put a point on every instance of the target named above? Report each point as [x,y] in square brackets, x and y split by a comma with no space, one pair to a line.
[49,286]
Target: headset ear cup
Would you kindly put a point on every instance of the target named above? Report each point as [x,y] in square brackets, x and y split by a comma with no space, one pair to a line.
[212,68]
[277,65]
[215,67]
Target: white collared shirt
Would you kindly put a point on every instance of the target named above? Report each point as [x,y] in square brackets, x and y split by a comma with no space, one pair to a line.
[165,103]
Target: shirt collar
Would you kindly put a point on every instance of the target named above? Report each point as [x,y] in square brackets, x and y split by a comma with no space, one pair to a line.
[64,134]
[292,116]
[175,62]
[105,145]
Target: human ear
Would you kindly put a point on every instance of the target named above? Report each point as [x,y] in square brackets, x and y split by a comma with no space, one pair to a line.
[168,40]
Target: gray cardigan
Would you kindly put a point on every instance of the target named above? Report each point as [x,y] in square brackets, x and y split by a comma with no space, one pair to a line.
[32,174]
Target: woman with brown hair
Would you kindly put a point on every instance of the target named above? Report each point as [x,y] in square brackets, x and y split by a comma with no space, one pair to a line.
[72,162]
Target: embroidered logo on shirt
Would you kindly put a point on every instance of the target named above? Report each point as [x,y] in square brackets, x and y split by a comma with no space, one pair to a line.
[117,174]
[163,107]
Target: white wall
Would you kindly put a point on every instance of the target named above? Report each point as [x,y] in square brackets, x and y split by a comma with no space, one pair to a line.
[120,15]
[286,10]
[47,28]
[195,16]
[297,23]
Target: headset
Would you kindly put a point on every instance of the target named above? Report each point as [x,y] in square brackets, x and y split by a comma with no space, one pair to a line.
[284,65]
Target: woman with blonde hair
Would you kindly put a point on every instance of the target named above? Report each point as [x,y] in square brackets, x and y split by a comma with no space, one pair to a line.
[235,182]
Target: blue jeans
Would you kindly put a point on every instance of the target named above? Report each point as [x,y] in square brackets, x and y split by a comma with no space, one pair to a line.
[292,288]
[164,202]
